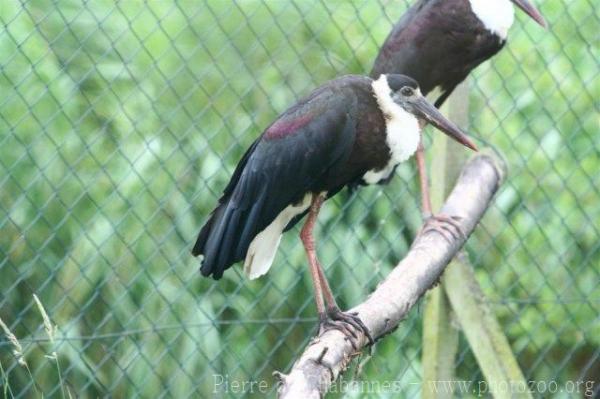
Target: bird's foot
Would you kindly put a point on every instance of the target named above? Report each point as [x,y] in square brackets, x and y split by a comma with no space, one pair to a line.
[446,225]
[347,323]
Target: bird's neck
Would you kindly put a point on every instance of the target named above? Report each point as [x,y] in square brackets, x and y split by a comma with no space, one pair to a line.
[496,15]
[402,128]
[383,94]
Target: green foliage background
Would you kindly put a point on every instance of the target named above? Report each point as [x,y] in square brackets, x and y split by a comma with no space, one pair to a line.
[121,122]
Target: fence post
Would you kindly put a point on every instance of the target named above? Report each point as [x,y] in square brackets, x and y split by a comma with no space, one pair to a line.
[440,335]
[440,343]
[460,296]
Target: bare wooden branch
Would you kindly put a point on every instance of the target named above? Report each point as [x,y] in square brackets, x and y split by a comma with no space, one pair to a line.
[329,354]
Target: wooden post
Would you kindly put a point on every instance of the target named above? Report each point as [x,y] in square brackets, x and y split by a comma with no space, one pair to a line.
[503,377]
[440,334]
[460,297]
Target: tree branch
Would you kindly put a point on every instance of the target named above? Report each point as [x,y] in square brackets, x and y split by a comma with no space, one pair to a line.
[329,354]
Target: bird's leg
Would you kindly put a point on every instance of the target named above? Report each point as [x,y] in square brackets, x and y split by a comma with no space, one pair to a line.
[423,178]
[326,289]
[445,225]
[331,317]
[336,318]
[309,246]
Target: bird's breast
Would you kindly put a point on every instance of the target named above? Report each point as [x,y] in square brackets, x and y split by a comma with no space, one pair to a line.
[402,139]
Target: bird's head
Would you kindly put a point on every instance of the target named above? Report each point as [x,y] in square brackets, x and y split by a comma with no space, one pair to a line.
[404,91]
[530,10]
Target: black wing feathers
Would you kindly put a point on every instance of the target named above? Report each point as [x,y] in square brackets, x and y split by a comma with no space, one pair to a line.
[313,138]
[217,213]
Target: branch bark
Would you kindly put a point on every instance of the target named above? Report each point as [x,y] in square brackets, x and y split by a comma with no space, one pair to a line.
[329,354]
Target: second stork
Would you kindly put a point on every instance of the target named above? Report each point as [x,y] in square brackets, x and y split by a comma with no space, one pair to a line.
[439,42]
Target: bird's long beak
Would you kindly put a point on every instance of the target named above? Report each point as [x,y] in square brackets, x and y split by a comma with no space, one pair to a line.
[425,110]
[530,10]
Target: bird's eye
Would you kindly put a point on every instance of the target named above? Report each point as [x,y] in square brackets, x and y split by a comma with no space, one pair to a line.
[407,91]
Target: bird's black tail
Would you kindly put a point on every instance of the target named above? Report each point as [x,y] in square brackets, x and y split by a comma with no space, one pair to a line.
[226,236]
[217,241]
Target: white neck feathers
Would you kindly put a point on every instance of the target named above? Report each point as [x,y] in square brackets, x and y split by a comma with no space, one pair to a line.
[402,128]
[496,15]
[383,95]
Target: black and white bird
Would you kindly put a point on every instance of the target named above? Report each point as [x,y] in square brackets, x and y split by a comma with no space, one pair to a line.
[351,131]
[439,42]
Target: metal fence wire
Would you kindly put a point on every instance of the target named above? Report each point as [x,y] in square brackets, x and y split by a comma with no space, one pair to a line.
[121,123]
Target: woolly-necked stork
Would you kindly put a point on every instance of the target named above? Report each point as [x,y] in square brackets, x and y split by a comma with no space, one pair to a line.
[439,42]
[351,131]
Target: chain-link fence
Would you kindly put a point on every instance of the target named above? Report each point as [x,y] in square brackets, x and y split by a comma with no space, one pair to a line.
[121,123]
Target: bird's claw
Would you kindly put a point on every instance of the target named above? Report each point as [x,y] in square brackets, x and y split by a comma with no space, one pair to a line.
[446,225]
[347,323]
